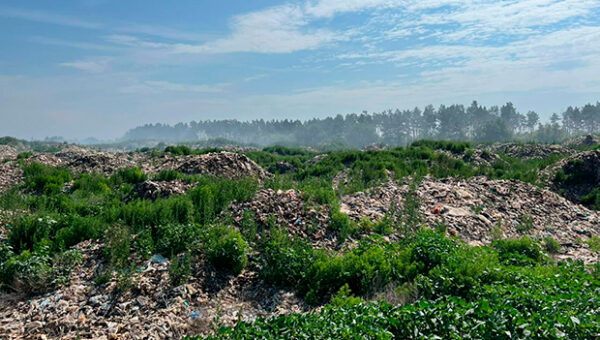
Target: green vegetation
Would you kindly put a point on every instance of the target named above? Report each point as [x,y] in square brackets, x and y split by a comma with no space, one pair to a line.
[419,285]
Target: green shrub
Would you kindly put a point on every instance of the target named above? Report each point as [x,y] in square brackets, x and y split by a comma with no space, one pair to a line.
[117,246]
[25,155]
[226,248]
[29,273]
[180,269]
[592,200]
[284,262]
[45,179]
[168,175]
[344,298]
[429,249]
[180,150]
[175,238]
[366,269]
[525,224]
[519,251]
[594,243]
[94,184]
[342,224]
[129,176]
[551,245]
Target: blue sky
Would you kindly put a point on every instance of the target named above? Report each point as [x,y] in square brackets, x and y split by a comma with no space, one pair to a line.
[99,67]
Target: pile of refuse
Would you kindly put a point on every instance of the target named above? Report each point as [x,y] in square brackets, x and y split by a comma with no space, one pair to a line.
[226,164]
[479,210]
[528,151]
[151,309]
[287,209]
[10,175]
[576,176]
[7,152]
[152,190]
[582,142]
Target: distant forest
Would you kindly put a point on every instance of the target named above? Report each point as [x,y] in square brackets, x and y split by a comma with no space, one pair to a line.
[455,122]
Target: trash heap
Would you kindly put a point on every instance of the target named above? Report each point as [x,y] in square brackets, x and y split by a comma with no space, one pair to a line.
[7,152]
[226,164]
[151,190]
[580,175]
[288,210]
[478,210]
[528,151]
[10,175]
[151,309]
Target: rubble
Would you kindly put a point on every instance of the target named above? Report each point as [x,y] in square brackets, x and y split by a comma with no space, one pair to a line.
[152,309]
[527,151]
[583,141]
[226,164]
[283,167]
[476,209]
[11,174]
[151,190]
[287,209]
[581,175]
[7,152]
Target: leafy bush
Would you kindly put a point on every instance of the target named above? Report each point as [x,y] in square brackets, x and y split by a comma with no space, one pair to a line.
[429,249]
[283,261]
[168,175]
[180,269]
[519,251]
[175,238]
[129,176]
[551,245]
[226,248]
[594,243]
[342,224]
[117,246]
[45,179]
[592,200]
[180,150]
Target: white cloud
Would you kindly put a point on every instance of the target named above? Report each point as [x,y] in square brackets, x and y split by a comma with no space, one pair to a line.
[280,29]
[95,65]
[157,87]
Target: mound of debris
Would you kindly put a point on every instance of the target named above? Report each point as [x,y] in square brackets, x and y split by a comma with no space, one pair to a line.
[528,151]
[226,164]
[583,142]
[151,190]
[10,175]
[478,210]
[576,176]
[287,209]
[151,309]
[7,152]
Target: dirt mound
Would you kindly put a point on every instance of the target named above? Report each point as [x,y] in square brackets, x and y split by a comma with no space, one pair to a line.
[576,176]
[226,164]
[528,150]
[287,209]
[151,190]
[152,309]
[477,210]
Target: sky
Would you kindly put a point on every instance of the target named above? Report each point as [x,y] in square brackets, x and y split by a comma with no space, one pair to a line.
[96,68]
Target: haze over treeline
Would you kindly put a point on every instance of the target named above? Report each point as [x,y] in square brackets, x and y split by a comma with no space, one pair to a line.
[394,127]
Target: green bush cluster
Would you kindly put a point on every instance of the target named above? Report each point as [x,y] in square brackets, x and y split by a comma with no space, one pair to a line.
[45,179]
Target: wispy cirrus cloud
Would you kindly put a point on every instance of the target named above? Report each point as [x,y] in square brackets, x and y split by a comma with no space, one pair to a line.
[92,65]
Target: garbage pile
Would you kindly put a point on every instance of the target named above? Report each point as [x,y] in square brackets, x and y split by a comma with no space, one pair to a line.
[10,175]
[528,151]
[151,309]
[151,190]
[7,152]
[287,209]
[583,141]
[478,210]
[576,176]
[226,164]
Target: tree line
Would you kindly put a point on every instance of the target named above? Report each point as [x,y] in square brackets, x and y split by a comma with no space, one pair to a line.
[455,122]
